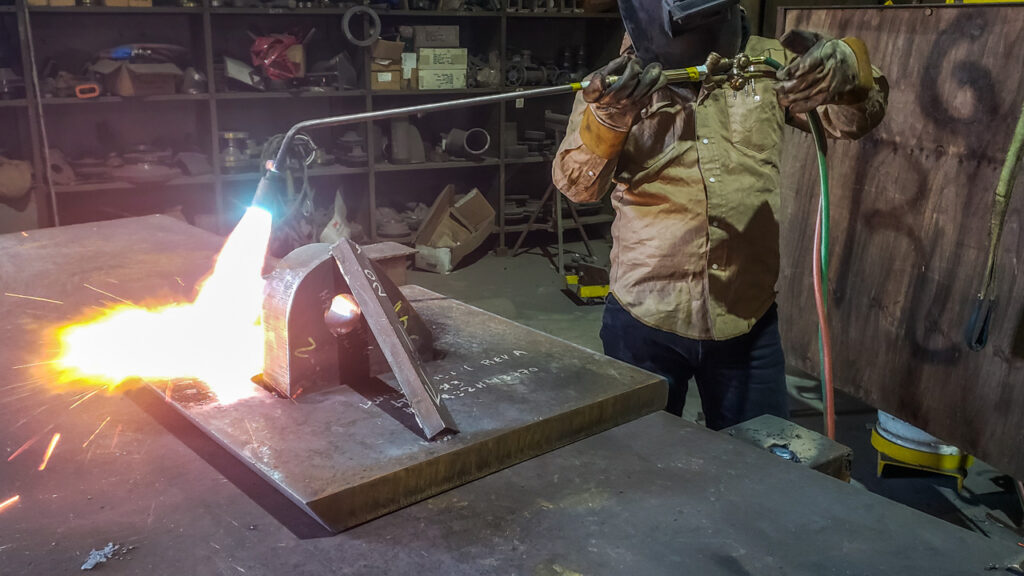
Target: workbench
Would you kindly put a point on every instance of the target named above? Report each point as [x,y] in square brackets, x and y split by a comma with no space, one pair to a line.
[653,496]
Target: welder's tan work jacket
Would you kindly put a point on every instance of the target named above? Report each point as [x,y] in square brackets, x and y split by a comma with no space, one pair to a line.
[696,197]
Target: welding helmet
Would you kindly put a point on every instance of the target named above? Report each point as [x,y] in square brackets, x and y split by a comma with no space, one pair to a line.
[681,33]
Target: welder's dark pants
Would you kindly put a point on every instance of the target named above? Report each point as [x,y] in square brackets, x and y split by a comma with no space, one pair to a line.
[738,379]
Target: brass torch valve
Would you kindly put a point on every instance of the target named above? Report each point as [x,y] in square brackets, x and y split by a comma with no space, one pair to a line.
[735,72]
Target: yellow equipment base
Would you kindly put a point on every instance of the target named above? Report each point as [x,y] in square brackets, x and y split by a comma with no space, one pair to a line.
[572,282]
[892,454]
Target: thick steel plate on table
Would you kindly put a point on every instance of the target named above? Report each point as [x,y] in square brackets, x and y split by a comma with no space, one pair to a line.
[352,454]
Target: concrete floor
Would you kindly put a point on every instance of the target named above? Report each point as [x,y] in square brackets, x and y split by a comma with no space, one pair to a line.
[527,289]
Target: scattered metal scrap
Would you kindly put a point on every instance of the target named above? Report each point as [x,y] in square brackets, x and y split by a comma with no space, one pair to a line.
[111,550]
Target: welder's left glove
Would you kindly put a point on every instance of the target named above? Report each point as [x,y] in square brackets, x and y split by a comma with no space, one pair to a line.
[828,71]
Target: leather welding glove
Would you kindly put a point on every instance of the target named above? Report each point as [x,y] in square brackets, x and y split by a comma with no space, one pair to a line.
[614,108]
[828,71]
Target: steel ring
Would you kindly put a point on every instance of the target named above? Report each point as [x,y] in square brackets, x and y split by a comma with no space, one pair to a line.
[346,22]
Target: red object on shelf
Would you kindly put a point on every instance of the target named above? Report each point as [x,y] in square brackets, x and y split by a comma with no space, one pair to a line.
[279,56]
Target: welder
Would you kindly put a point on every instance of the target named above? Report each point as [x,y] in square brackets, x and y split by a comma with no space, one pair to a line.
[694,179]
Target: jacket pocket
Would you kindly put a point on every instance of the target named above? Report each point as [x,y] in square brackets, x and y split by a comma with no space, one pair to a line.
[755,117]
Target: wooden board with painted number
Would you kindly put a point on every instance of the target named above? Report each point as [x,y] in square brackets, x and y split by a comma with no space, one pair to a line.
[911,205]
[387,328]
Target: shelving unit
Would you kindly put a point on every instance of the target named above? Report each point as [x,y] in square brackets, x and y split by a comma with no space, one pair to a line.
[213,32]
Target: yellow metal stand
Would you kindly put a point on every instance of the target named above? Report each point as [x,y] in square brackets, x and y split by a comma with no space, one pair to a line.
[890,453]
[585,293]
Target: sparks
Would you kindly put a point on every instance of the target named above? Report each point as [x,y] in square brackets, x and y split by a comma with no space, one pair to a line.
[117,433]
[32,298]
[33,364]
[89,395]
[49,451]
[216,339]
[25,446]
[9,502]
[104,423]
[105,293]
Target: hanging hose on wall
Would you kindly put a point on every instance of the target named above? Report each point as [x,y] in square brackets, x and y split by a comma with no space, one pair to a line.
[981,315]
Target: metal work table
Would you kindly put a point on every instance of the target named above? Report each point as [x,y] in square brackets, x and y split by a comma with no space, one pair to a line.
[656,495]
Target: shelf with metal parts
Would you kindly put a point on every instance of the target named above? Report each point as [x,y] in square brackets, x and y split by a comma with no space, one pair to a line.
[152,10]
[281,11]
[220,109]
[20,206]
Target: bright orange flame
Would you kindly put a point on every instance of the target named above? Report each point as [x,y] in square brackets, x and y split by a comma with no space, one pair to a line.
[10,501]
[216,339]
[49,451]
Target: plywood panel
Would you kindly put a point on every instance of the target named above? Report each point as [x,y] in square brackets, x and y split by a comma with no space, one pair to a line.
[911,205]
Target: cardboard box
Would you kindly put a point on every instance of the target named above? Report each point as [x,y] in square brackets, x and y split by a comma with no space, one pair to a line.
[60,3]
[116,3]
[451,231]
[140,3]
[443,58]
[442,79]
[385,75]
[127,79]
[38,3]
[435,36]
[387,50]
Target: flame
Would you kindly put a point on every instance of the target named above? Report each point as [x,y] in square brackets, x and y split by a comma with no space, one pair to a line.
[216,339]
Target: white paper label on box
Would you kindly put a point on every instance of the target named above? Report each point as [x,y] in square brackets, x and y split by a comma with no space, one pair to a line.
[408,65]
[383,76]
[520,102]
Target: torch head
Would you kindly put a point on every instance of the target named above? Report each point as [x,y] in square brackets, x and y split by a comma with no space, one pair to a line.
[268,191]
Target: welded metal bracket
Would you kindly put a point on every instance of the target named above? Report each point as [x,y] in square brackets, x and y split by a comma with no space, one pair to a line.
[379,313]
[302,356]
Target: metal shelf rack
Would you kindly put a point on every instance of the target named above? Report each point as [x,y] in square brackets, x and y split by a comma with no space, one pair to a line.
[208,23]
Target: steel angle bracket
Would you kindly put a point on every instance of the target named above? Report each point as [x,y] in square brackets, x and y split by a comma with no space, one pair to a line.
[379,313]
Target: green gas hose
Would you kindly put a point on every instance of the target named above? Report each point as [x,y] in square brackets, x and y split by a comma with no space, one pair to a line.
[820,267]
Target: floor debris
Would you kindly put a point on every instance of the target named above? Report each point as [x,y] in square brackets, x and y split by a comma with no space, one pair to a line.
[99,556]
[111,550]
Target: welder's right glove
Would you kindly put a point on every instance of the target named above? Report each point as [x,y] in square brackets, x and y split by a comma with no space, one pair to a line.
[614,109]
[828,71]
